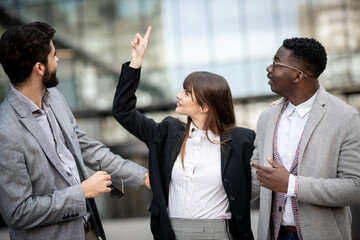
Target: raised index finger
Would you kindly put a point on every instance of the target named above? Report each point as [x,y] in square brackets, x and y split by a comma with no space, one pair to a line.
[147,34]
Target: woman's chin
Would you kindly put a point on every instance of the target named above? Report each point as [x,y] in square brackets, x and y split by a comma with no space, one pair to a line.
[178,111]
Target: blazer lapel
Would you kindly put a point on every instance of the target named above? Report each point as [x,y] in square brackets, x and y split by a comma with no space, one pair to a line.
[172,156]
[269,134]
[65,125]
[178,140]
[316,114]
[68,131]
[225,149]
[30,123]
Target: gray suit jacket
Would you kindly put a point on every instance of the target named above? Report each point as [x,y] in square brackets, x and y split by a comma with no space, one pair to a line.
[38,199]
[328,170]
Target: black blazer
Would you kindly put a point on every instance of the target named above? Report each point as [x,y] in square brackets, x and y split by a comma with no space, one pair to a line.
[164,141]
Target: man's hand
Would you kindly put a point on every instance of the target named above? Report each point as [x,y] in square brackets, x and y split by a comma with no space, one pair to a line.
[275,178]
[96,185]
[139,45]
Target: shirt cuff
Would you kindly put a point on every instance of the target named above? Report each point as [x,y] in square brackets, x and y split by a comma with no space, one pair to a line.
[291,186]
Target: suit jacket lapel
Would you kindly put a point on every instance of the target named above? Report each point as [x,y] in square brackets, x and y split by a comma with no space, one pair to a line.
[175,151]
[269,136]
[269,129]
[68,131]
[30,123]
[172,156]
[65,125]
[316,114]
[225,149]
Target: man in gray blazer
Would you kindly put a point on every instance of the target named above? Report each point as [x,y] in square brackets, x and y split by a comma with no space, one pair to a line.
[306,162]
[46,192]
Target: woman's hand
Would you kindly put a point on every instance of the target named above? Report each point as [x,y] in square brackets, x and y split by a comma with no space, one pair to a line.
[139,45]
[147,180]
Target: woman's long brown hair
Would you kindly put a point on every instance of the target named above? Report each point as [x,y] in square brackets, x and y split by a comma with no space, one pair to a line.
[213,91]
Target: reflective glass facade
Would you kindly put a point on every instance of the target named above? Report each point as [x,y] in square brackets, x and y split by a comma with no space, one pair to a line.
[234,38]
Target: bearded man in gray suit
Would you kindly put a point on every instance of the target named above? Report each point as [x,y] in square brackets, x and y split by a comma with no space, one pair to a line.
[306,162]
[46,192]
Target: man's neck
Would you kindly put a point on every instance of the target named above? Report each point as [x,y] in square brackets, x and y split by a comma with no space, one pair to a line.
[303,94]
[300,99]
[33,92]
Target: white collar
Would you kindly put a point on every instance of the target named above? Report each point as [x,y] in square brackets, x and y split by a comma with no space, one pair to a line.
[303,108]
[195,131]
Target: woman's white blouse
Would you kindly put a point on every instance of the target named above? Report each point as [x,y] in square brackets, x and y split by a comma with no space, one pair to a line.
[197,191]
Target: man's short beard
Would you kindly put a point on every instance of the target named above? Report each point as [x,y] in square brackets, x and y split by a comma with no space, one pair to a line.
[50,79]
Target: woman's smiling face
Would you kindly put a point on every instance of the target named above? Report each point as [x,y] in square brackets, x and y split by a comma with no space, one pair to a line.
[187,104]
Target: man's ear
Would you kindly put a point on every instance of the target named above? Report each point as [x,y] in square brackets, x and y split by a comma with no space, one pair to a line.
[39,68]
[298,77]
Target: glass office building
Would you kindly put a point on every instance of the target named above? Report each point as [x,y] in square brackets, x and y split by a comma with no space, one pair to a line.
[234,38]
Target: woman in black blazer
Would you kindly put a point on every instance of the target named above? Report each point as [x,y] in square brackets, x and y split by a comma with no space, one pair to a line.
[219,179]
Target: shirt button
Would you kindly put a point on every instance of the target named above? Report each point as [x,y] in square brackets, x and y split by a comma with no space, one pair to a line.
[232,198]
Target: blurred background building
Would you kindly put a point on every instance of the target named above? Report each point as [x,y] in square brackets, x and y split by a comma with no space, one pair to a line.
[234,38]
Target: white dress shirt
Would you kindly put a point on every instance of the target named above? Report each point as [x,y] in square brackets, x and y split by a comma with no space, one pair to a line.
[291,126]
[196,192]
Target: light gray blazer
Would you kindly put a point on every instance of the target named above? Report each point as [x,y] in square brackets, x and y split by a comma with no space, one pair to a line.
[328,170]
[38,200]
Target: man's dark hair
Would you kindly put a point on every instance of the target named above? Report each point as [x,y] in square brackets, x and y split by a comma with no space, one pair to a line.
[22,46]
[311,53]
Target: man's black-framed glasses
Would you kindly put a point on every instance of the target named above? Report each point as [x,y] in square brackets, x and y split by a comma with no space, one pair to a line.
[116,191]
